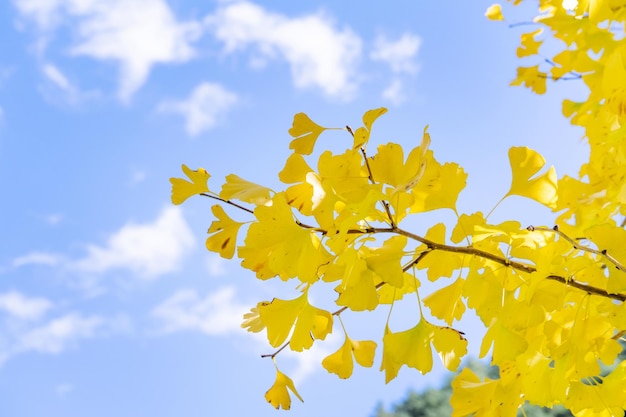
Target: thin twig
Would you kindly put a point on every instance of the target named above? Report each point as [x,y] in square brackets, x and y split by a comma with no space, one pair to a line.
[273,355]
[600,252]
[232,203]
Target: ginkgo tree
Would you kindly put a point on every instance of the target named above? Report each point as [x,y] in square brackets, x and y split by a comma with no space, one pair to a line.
[551,298]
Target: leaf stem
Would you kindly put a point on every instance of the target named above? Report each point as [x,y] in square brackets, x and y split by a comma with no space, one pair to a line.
[371,178]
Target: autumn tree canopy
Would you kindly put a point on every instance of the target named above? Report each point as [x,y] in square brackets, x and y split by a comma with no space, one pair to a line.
[551,297]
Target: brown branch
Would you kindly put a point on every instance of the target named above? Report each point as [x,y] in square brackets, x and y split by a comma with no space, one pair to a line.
[469,250]
[232,203]
[587,288]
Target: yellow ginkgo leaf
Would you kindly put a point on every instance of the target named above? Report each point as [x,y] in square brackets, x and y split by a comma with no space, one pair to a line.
[313,324]
[507,344]
[446,303]
[388,165]
[364,351]
[345,173]
[440,263]
[236,188]
[277,395]
[483,292]
[450,346]
[357,290]
[470,395]
[362,134]
[525,164]
[360,295]
[416,162]
[614,82]
[341,362]
[305,132]
[183,189]
[370,116]
[610,239]
[295,169]
[465,226]
[308,322]
[277,245]
[389,364]
[410,347]
[494,12]
[301,194]
[388,294]
[386,260]
[252,320]
[529,46]
[223,233]
[279,316]
[531,78]
[439,187]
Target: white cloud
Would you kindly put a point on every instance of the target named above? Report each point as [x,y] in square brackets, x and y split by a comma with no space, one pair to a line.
[25,327]
[399,54]
[26,308]
[57,77]
[206,105]
[215,314]
[319,54]
[149,250]
[58,82]
[395,92]
[61,83]
[46,13]
[135,33]
[59,334]
[37,258]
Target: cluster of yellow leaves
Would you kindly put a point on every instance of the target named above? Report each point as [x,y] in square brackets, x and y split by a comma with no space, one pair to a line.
[551,299]
[348,199]
[589,46]
[549,339]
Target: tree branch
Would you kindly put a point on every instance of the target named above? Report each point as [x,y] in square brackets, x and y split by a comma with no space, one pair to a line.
[232,203]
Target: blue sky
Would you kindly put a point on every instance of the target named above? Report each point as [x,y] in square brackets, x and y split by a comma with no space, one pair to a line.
[109,303]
